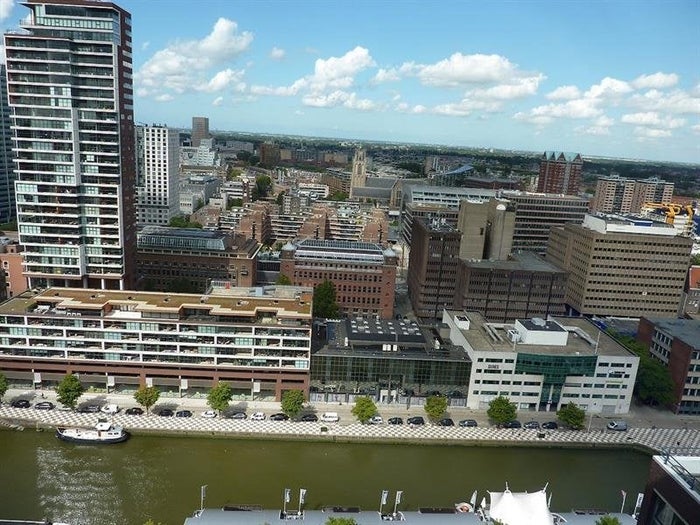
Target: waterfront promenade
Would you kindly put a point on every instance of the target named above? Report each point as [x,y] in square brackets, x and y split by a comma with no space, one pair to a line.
[649,429]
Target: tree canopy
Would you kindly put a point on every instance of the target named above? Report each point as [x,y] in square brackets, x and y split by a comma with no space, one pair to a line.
[263,185]
[293,402]
[608,520]
[183,222]
[572,416]
[364,409]
[435,407]
[283,280]
[3,386]
[69,390]
[325,304]
[502,410]
[340,521]
[219,396]
[147,396]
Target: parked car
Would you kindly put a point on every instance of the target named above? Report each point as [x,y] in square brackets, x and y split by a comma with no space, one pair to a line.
[533,425]
[258,416]
[89,409]
[445,422]
[110,409]
[20,403]
[550,425]
[513,424]
[165,412]
[617,425]
[375,420]
[134,411]
[209,413]
[280,416]
[238,415]
[309,417]
[395,421]
[44,405]
[416,420]
[183,413]
[468,423]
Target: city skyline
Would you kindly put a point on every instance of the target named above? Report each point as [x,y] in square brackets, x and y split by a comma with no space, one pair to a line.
[601,79]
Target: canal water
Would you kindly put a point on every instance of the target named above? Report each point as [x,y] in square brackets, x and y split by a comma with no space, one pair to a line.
[160,477]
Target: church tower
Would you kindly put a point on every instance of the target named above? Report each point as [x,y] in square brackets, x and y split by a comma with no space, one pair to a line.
[359,171]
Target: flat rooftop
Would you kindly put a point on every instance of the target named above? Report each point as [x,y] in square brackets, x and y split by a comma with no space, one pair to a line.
[584,337]
[686,330]
[526,261]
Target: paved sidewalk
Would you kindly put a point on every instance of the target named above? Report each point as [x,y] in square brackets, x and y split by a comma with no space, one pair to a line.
[684,435]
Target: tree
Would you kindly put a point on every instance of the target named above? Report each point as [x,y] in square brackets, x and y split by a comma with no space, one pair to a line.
[325,304]
[147,396]
[501,410]
[219,396]
[69,390]
[3,386]
[340,521]
[263,184]
[283,280]
[293,402]
[654,385]
[280,198]
[183,222]
[608,520]
[572,416]
[364,409]
[435,407]
[695,259]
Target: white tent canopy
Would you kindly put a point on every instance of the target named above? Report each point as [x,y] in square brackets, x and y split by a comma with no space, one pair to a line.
[520,508]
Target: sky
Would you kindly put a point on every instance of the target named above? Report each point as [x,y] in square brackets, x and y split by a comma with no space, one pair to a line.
[603,78]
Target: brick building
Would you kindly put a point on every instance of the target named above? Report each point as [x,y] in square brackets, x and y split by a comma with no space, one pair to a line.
[560,172]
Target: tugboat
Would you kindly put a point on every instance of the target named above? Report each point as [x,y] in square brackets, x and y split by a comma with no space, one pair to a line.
[104,432]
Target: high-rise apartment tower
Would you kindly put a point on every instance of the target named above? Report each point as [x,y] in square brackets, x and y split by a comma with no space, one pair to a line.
[157,155]
[560,172]
[7,172]
[200,130]
[69,80]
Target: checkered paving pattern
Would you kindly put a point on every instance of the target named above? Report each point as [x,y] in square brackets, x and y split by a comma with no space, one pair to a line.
[654,438]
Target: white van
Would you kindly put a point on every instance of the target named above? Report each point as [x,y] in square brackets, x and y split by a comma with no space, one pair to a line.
[110,409]
[330,417]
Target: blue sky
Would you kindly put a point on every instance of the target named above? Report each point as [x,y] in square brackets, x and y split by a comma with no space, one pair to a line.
[617,79]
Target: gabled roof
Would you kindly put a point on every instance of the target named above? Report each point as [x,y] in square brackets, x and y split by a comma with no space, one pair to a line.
[565,156]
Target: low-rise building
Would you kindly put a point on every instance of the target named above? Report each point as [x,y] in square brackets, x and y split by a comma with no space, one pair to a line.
[11,259]
[258,340]
[676,343]
[544,364]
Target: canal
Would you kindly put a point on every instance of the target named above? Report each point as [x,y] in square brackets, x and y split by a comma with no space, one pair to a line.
[160,477]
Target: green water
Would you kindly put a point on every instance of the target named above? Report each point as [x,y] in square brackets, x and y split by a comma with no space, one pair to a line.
[160,478]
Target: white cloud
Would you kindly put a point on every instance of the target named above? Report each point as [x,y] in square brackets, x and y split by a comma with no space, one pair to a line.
[655,81]
[459,69]
[519,88]
[386,75]
[564,93]
[339,72]
[651,133]
[221,81]
[465,107]
[183,66]
[6,7]
[277,53]
[218,101]
[530,118]
[608,88]
[601,126]
[695,128]
[338,98]
[677,101]
[574,109]
[653,119]
[165,97]
[145,45]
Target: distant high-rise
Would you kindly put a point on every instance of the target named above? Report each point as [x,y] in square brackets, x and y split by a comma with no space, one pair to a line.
[157,158]
[200,130]
[560,173]
[615,194]
[7,173]
[70,90]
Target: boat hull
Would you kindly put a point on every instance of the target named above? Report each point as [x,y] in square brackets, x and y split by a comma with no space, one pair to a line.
[89,440]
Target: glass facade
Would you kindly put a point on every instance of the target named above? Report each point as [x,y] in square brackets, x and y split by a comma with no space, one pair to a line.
[555,369]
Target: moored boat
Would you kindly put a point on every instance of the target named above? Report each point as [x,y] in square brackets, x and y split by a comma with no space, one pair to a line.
[103,432]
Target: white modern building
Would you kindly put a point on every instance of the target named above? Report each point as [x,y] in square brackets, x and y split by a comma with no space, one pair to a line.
[178,342]
[157,157]
[69,80]
[544,364]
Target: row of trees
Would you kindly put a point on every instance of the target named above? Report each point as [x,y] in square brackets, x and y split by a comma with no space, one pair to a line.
[502,410]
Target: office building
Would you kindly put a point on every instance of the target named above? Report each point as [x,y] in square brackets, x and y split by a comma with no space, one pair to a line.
[691,295]
[157,175]
[615,194]
[200,130]
[388,360]
[520,287]
[7,169]
[257,340]
[676,343]
[671,493]
[269,154]
[544,364]
[189,259]
[560,172]
[621,267]
[487,229]
[70,91]
[432,268]
[364,274]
